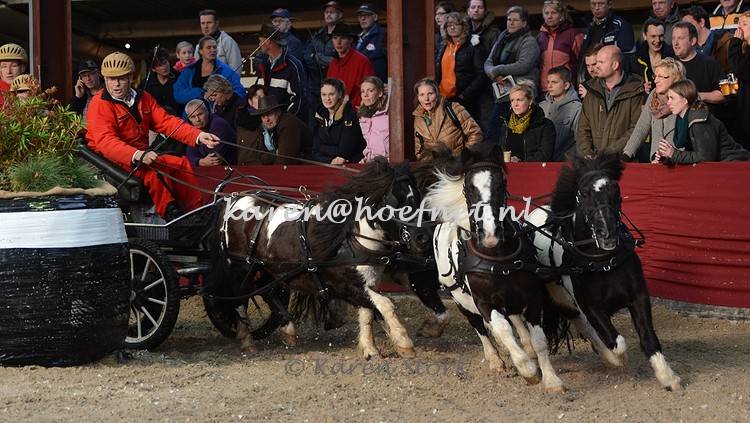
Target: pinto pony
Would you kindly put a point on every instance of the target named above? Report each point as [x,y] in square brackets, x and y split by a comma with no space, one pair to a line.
[488,264]
[582,235]
[310,248]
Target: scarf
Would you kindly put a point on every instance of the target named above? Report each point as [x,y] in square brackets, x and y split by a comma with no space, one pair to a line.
[268,140]
[519,124]
[658,106]
[681,132]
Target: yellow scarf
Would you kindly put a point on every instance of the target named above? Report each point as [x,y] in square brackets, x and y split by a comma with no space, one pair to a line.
[518,124]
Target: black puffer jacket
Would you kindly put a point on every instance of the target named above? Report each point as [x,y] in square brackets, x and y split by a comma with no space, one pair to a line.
[708,141]
[538,140]
[469,70]
[341,137]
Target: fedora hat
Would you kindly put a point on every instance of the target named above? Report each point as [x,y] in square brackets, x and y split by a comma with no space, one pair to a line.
[268,31]
[267,104]
[343,30]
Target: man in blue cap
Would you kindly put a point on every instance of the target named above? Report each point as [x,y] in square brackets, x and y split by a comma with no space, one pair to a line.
[281,19]
[372,40]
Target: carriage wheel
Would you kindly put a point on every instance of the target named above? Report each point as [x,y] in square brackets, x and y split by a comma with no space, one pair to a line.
[154,296]
[222,315]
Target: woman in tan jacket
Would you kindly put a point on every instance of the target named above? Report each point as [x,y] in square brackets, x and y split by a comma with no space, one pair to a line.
[439,122]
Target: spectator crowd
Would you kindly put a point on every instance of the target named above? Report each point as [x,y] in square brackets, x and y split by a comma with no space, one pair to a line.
[676,92]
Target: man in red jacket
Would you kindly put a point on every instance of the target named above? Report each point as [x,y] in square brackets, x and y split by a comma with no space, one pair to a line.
[118,120]
[349,65]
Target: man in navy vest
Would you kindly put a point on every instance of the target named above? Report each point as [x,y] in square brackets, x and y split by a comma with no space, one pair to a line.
[372,40]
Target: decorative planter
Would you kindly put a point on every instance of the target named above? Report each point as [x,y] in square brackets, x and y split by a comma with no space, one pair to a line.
[64,279]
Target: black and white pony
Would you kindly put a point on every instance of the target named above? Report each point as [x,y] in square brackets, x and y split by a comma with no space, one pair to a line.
[587,241]
[488,267]
[326,256]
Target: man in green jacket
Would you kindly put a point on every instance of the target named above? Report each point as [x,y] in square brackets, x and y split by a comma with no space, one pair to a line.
[611,108]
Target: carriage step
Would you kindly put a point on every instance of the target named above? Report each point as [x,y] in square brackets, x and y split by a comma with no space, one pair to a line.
[194,269]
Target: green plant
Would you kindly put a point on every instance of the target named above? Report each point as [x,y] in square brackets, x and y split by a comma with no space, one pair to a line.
[37,145]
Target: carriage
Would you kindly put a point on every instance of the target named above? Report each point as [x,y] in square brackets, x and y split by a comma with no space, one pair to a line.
[169,261]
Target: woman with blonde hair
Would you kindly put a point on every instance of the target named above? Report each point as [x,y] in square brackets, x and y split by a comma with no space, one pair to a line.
[559,42]
[373,118]
[656,121]
[530,136]
[698,135]
[459,70]
[739,61]
[437,121]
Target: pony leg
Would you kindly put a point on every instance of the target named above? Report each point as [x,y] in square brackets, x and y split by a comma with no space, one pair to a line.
[497,364]
[640,313]
[614,342]
[523,334]
[288,334]
[550,380]
[425,285]
[243,332]
[503,333]
[366,340]
[396,331]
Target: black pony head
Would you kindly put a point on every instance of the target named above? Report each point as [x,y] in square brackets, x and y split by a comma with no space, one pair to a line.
[589,187]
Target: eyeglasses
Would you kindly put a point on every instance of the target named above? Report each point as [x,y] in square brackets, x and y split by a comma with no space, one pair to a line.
[453,25]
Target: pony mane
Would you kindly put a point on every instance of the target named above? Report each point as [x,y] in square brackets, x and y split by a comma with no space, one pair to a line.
[439,158]
[573,173]
[446,194]
[371,184]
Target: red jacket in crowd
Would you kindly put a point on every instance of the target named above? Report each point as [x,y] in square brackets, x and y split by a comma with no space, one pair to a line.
[351,69]
[117,131]
[561,47]
[4,90]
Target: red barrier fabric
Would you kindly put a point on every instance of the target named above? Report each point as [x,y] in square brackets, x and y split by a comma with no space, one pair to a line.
[696,220]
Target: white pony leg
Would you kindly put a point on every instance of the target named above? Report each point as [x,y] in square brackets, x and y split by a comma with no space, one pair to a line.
[523,334]
[490,354]
[396,331]
[503,333]
[366,340]
[288,334]
[664,373]
[243,332]
[550,380]
[610,356]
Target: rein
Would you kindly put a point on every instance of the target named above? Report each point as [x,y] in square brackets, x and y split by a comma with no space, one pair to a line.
[284,156]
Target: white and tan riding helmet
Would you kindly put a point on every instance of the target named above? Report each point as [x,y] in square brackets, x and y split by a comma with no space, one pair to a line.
[12,51]
[23,82]
[117,64]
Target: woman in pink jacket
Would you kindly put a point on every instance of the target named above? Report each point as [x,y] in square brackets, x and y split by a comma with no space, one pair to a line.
[559,43]
[373,118]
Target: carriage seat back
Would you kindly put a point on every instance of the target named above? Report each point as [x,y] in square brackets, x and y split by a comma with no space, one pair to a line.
[131,191]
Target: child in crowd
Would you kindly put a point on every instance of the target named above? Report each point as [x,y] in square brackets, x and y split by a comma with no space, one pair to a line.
[185,55]
[562,106]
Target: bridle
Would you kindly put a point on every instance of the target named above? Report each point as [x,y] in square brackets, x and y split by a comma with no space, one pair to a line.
[598,211]
[484,165]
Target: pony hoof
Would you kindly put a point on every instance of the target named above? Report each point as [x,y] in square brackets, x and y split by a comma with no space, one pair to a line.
[369,354]
[430,329]
[249,349]
[289,340]
[555,389]
[533,380]
[675,387]
[406,352]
